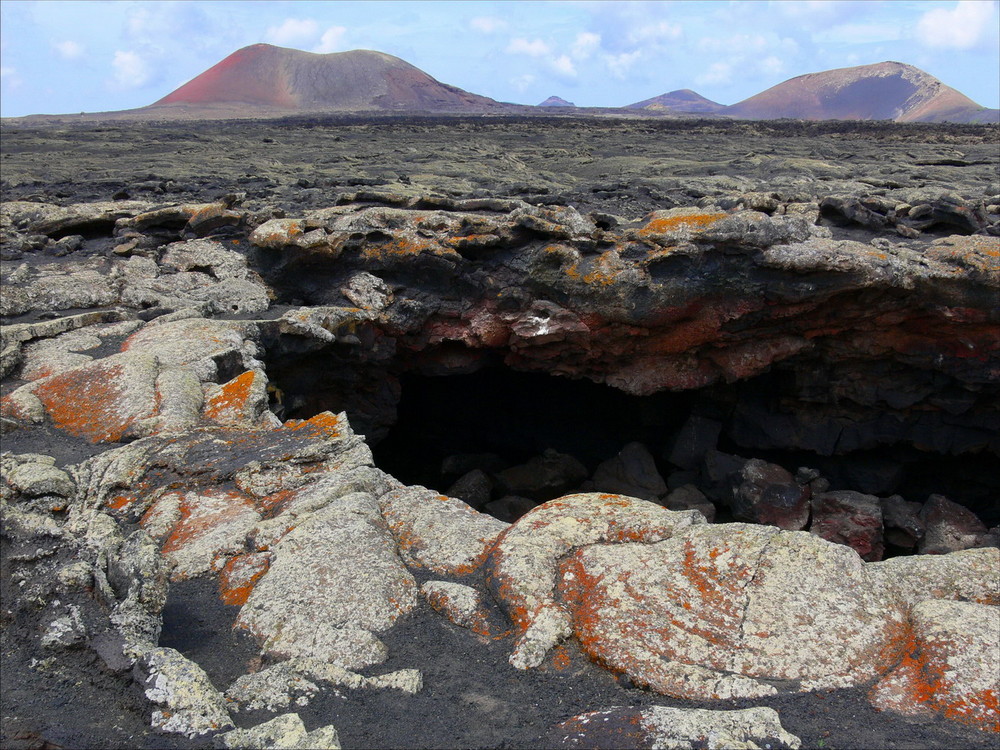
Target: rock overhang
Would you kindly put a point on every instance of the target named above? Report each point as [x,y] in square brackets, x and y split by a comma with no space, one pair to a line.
[553,292]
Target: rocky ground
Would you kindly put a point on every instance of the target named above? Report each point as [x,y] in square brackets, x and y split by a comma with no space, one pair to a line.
[451,432]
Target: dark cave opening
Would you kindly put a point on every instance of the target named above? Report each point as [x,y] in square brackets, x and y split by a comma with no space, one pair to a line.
[432,429]
[518,415]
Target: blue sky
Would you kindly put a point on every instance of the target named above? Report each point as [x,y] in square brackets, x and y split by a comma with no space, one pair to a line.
[62,56]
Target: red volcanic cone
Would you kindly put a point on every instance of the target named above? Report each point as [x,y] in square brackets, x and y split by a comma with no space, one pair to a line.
[291,79]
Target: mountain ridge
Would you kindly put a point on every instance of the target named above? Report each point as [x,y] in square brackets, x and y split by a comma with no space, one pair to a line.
[263,80]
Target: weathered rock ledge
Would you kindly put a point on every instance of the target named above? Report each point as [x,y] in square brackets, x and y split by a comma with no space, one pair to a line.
[171,338]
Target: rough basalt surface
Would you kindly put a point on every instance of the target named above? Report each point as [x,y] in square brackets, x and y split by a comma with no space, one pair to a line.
[199,546]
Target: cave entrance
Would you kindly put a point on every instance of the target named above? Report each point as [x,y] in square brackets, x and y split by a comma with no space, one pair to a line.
[517,416]
[435,430]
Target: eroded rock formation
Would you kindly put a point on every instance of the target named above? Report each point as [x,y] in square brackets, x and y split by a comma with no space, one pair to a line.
[229,370]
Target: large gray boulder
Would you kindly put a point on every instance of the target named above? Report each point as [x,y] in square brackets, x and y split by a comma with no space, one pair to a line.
[721,611]
[335,580]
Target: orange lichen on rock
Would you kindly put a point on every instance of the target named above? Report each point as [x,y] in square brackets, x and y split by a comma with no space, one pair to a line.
[402,246]
[120,502]
[323,425]
[561,659]
[277,233]
[664,224]
[212,525]
[240,574]
[460,604]
[234,403]
[605,270]
[98,401]
[948,665]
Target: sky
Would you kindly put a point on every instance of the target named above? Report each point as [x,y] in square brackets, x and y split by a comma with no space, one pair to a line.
[64,56]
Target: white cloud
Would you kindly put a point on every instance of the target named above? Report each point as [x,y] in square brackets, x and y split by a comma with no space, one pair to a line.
[717,73]
[10,78]
[293,31]
[586,44]
[534,48]
[735,44]
[962,27]
[772,65]
[564,66]
[619,65]
[69,50]
[664,31]
[803,10]
[522,82]
[130,70]
[488,24]
[331,41]
[859,33]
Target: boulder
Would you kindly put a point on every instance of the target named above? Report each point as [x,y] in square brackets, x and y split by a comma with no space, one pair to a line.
[80,285]
[676,729]
[902,523]
[967,575]
[49,219]
[697,437]
[438,532]
[202,529]
[766,493]
[334,579]
[509,507]
[284,732]
[951,666]
[299,680]
[543,477]
[689,497]
[35,475]
[242,401]
[720,471]
[474,488]
[101,401]
[632,472]
[949,527]
[462,605]
[522,566]
[190,704]
[721,611]
[851,518]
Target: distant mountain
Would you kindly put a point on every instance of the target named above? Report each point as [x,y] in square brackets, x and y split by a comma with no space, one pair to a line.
[264,80]
[556,101]
[883,91]
[270,77]
[683,100]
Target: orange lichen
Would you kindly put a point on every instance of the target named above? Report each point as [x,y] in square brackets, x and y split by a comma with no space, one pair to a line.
[88,402]
[662,225]
[232,399]
[603,271]
[120,502]
[238,577]
[405,246]
[920,682]
[472,241]
[323,425]
[200,514]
